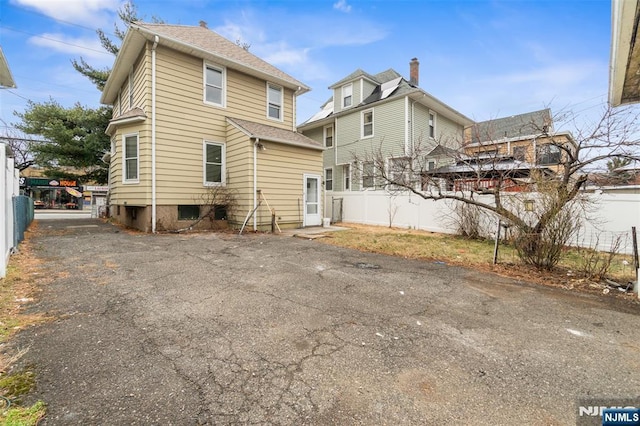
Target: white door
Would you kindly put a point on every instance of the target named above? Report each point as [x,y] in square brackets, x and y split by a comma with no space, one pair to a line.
[312,216]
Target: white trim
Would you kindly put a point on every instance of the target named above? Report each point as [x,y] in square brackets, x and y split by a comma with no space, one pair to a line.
[154,200]
[223,163]
[362,175]
[305,219]
[342,96]
[361,90]
[124,159]
[362,113]
[406,125]
[325,178]
[346,174]
[324,135]
[130,98]
[275,86]
[435,124]
[223,95]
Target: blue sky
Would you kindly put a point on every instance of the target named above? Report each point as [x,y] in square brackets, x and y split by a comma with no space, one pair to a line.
[486,59]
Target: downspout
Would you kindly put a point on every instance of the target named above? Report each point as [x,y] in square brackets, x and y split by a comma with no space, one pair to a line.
[406,125]
[255,183]
[153,135]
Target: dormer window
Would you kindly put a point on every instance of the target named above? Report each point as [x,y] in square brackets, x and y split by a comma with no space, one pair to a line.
[347,96]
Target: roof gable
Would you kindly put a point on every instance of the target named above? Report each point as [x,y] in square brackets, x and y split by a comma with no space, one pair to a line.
[197,41]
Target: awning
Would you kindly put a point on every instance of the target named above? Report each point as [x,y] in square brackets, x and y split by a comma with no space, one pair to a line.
[73,192]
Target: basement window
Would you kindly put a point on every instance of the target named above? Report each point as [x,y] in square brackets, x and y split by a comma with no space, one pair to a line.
[188,212]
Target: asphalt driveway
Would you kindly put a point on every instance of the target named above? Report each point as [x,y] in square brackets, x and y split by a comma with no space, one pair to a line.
[261,329]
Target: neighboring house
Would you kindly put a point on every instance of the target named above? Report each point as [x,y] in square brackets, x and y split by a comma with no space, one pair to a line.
[6,79]
[624,67]
[371,114]
[529,140]
[195,114]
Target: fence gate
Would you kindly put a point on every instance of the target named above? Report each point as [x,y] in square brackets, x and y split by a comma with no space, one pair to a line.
[336,210]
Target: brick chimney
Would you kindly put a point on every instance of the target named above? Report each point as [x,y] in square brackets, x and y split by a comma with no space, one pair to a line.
[203,24]
[414,72]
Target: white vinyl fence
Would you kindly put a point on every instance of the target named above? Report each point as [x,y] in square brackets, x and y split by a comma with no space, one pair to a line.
[610,214]
[9,187]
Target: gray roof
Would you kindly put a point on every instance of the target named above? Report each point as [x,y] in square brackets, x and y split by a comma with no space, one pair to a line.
[196,41]
[527,124]
[497,166]
[274,134]
[404,88]
[354,75]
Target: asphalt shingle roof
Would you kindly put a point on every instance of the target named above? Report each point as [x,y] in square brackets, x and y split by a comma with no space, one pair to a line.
[275,134]
[526,124]
[205,39]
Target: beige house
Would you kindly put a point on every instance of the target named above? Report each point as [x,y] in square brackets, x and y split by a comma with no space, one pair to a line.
[196,116]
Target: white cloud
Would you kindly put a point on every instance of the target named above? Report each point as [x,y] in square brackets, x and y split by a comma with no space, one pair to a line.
[342,6]
[88,47]
[85,12]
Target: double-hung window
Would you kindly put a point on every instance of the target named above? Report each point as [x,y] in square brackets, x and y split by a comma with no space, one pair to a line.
[368,175]
[432,125]
[328,136]
[214,82]
[214,164]
[274,101]
[328,179]
[346,170]
[367,123]
[131,163]
[347,95]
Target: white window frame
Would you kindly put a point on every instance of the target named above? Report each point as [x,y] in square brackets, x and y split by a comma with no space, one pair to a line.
[126,180]
[347,88]
[363,175]
[346,177]
[223,96]
[391,172]
[223,164]
[324,135]
[362,124]
[112,150]
[330,169]
[432,124]
[280,105]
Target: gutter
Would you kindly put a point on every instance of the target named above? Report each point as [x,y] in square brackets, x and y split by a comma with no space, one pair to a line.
[154,215]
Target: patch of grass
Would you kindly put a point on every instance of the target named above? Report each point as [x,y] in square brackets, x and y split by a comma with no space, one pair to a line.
[414,244]
[25,276]
[14,386]
[24,416]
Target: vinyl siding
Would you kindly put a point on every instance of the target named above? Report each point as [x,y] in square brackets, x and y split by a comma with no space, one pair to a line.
[388,132]
[140,193]
[184,121]
[284,190]
[240,171]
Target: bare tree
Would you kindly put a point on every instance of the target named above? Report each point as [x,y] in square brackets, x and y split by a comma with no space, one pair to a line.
[533,196]
[20,145]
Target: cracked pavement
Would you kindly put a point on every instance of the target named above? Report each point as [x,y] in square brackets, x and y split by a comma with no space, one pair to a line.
[262,329]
